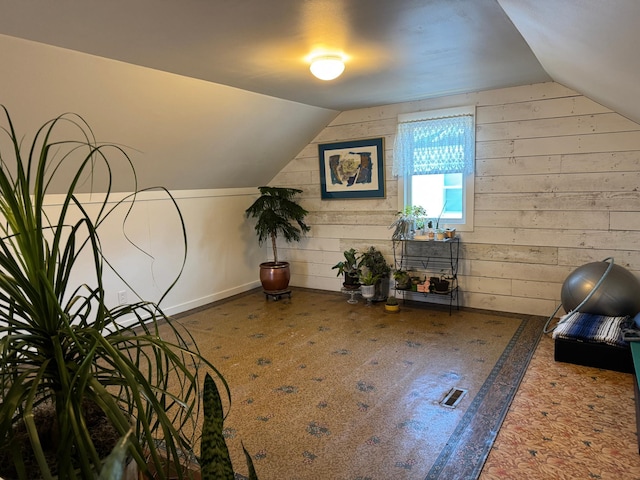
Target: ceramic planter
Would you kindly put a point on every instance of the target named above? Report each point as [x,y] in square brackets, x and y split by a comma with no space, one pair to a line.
[274,276]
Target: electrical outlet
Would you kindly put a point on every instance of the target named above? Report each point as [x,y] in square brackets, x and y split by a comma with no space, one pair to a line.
[122,297]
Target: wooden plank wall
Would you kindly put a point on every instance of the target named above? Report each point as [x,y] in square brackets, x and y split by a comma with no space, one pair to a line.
[557,179]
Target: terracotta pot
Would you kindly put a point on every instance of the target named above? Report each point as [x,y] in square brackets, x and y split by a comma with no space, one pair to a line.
[274,276]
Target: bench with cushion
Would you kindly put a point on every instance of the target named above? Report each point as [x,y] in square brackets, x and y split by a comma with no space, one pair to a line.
[594,341]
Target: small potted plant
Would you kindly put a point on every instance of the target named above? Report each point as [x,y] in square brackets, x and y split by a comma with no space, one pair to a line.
[392,305]
[441,285]
[419,221]
[403,225]
[410,219]
[349,267]
[373,260]
[403,279]
[368,289]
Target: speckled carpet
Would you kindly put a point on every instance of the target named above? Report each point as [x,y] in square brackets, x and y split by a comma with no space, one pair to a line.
[322,389]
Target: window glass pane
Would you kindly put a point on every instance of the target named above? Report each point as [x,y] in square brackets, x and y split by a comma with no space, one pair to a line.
[437,198]
[427,192]
[453,205]
[453,180]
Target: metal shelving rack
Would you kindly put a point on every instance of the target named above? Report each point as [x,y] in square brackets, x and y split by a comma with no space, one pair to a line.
[429,258]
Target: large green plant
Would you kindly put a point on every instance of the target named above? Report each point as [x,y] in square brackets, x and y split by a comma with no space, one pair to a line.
[278,214]
[62,347]
[373,260]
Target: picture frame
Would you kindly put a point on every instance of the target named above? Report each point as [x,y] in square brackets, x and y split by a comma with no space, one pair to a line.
[352,169]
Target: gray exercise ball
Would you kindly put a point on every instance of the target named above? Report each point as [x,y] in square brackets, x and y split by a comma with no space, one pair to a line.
[617,296]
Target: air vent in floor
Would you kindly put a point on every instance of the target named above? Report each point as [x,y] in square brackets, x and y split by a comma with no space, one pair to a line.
[453,397]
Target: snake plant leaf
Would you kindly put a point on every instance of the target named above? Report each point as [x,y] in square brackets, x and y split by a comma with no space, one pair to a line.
[215,462]
[115,463]
[252,471]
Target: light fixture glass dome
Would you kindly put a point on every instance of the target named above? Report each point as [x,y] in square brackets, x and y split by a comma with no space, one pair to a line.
[327,67]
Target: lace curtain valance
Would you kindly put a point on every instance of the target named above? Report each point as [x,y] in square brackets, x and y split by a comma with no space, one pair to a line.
[440,145]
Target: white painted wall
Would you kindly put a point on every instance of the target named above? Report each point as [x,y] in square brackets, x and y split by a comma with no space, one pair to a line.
[209,143]
[557,179]
[222,250]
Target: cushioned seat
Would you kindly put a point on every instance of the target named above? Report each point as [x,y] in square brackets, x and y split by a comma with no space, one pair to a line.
[593,341]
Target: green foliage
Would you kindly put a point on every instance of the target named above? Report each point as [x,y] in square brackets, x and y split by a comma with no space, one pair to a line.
[350,265]
[116,462]
[402,278]
[61,345]
[408,220]
[373,260]
[391,300]
[215,462]
[368,278]
[277,214]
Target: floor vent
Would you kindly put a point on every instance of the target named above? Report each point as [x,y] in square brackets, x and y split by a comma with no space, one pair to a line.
[453,397]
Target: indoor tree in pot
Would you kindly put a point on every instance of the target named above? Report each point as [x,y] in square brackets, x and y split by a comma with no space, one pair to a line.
[277,214]
[64,352]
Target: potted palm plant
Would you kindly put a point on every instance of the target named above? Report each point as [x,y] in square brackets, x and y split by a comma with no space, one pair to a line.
[67,358]
[277,214]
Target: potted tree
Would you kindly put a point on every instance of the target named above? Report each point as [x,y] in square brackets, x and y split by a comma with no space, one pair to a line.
[277,214]
[67,358]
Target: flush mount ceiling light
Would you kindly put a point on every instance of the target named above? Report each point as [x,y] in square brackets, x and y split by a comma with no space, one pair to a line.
[327,67]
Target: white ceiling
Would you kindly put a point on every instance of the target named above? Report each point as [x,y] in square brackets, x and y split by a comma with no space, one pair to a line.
[397,50]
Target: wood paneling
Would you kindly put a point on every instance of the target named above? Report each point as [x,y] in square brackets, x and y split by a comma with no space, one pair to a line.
[557,179]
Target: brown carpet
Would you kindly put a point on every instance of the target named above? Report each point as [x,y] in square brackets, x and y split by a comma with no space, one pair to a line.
[323,389]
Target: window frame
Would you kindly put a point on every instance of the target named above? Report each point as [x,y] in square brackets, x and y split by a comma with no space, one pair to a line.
[468,190]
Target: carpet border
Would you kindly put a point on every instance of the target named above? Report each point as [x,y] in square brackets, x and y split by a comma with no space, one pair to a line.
[464,455]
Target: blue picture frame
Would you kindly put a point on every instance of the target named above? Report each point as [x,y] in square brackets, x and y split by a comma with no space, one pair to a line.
[353,169]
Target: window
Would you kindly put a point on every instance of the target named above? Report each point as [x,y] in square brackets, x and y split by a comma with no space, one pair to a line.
[434,156]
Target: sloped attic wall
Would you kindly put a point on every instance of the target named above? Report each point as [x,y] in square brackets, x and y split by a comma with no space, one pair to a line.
[556,187]
[210,144]
[183,133]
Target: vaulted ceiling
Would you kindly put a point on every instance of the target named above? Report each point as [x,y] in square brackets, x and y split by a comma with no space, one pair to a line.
[396,51]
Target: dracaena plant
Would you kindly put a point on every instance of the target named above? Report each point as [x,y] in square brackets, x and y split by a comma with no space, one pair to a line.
[64,352]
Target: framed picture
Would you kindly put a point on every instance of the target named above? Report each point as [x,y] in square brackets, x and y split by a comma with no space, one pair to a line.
[353,169]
